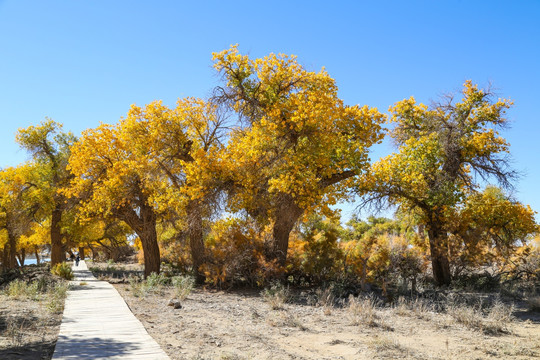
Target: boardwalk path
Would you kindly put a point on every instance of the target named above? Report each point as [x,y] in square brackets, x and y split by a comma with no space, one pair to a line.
[97,324]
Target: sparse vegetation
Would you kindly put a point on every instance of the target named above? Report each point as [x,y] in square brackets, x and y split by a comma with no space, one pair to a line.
[362,311]
[183,286]
[158,283]
[276,295]
[63,270]
[30,313]
[496,319]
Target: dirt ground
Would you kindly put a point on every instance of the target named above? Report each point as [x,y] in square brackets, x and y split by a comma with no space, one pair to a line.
[242,325]
[29,326]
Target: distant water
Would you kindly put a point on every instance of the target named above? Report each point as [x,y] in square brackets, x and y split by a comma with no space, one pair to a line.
[30,261]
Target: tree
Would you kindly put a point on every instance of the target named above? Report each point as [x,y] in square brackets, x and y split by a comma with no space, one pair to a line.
[490,229]
[50,149]
[314,251]
[19,202]
[381,249]
[150,167]
[184,146]
[296,147]
[34,241]
[442,152]
[111,181]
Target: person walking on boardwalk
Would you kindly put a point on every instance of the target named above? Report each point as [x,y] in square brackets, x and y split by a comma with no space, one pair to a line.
[77,259]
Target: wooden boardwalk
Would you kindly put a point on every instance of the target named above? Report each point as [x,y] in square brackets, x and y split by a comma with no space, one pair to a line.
[98,324]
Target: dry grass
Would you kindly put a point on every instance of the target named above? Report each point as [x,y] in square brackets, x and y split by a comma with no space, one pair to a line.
[284,319]
[30,315]
[497,319]
[362,311]
[419,308]
[384,347]
[243,325]
[249,324]
[276,295]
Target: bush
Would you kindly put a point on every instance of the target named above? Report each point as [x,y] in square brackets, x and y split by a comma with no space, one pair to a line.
[19,289]
[315,253]
[63,270]
[57,295]
[235,252]
[276,295]
[363,311]
[153,284]
[183,285]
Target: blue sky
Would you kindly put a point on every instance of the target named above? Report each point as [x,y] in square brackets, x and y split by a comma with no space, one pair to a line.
[86,62]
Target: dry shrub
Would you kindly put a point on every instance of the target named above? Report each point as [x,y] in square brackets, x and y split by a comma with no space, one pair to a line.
[15,331]
[183,286]
[498,318]
[235,250]
[386,347]
[363,311]
[276,295]
[153,284]
[325,297]
[420,308]
[494,320]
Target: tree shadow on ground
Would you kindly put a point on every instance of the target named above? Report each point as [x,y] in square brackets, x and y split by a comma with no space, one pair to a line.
[527,315]
[32,351]
[94,348]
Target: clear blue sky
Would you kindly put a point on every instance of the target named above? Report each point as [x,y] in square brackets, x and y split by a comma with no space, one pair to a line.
[85,62]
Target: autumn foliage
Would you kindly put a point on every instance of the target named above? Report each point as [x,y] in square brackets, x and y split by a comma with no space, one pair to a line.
[241,188]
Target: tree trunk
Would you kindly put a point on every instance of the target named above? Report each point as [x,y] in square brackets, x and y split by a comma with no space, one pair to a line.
[12,249]
[38,259]
[81,252]
[143,222]
[150,249]
[439,254]
[363,279]
[21,256]
[286,217]
[196,240]
[57,252]
[5,258]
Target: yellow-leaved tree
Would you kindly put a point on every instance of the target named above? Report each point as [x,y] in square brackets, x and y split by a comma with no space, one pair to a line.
[297,146]
[443,150]
[20,200]
[490,229]
[150,167]
[112,179]
[50,149]
[183,146]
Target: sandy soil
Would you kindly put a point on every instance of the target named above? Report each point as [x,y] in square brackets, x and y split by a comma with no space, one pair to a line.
[240,325]
[243,325]
[29,327]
